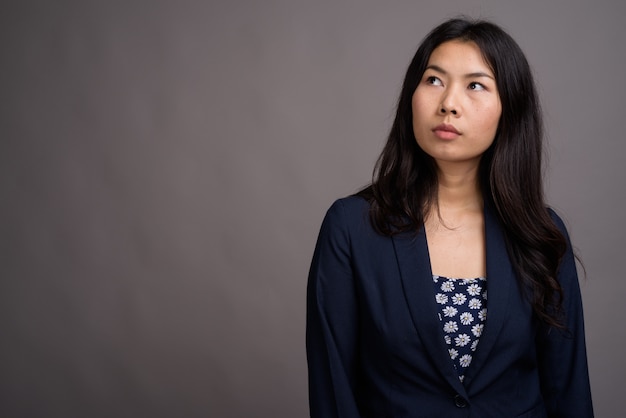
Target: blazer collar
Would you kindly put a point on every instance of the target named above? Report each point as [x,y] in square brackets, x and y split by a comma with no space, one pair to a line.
[416,276]
[417,282]
[501,282]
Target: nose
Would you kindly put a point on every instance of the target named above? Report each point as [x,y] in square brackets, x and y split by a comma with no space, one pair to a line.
[444,110]
[449,104]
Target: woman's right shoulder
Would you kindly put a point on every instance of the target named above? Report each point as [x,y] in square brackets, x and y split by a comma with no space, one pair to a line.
[348,213]
[349,207]
[348,221]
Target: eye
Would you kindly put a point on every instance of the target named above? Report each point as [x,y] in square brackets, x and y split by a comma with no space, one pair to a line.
[432,80]
[476,86]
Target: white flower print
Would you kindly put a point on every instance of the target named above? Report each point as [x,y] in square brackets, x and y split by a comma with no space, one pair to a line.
[441,298]
[477,330]
[459,299]
[450,326]
[462,314]
[461,378]
[482,315]
[465,360]
[474,303]
[474,289]
[462,340]
[450,311]
[447,286]
[466,318]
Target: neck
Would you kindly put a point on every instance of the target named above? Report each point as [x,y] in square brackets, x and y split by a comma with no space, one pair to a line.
[459,188]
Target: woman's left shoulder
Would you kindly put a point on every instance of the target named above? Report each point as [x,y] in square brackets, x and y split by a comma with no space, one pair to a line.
[558,220]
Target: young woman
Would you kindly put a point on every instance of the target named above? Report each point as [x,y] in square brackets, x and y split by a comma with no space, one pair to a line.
[447,288]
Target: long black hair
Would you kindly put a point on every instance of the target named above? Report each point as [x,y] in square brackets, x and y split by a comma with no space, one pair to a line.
[404,185]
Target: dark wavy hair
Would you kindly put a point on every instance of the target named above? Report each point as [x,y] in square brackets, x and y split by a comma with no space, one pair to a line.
[404,184]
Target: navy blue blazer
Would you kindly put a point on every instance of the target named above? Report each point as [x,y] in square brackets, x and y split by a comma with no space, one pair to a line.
[375,344]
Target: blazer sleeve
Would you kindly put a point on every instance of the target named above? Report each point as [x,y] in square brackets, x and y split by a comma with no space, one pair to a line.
[332,322]
[562,354]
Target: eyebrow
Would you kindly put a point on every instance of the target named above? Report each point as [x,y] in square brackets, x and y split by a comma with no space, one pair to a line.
[469,75]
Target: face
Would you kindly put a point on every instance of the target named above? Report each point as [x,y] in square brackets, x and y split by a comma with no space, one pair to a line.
[456,106]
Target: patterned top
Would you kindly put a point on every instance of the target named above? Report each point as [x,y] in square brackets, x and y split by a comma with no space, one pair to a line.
[463,311]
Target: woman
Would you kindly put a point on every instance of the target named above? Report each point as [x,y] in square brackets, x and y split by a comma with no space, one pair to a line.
[447,288]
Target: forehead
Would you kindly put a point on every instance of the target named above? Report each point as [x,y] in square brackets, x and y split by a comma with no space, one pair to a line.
[459,56]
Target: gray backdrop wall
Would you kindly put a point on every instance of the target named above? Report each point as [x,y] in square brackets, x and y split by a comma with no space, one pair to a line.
[165,166]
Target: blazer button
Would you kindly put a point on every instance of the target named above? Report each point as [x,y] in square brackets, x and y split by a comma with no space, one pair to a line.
[459,401]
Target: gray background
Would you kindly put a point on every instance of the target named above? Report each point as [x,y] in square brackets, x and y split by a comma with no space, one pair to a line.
[165,166]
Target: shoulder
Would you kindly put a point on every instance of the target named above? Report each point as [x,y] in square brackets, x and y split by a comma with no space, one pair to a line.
[558,221]
[568,262]
[352,204]
[352,207]
[347,216]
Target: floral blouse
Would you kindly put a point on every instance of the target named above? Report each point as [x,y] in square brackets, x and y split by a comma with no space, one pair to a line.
[462,311]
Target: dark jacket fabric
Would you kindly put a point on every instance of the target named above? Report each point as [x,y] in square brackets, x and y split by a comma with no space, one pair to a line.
[375,344]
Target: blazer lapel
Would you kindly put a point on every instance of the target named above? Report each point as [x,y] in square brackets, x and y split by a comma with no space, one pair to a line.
[501,281]
[417,282]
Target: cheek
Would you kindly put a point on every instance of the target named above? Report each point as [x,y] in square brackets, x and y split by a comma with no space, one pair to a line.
[414,104]
[418,106]
[496,120]
[492,118]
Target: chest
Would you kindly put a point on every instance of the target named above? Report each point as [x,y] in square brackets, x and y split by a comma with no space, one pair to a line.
[457,251]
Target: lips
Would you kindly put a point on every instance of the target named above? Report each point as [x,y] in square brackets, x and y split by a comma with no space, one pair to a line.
[445,131]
